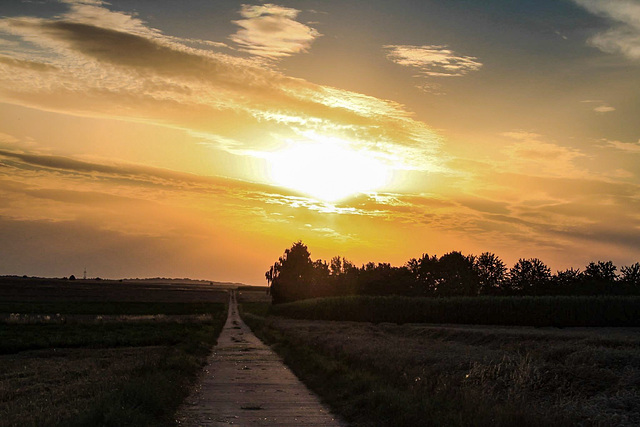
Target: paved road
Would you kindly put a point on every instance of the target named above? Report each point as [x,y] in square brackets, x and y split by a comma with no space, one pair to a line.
[246,384]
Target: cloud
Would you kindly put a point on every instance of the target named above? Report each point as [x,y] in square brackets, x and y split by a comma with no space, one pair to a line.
[29,65]
[5,137]
[130,174]
[92,61]
[624,35]
[271,31]
[629,147]
[602,108]
[51,175]
[433,60]
[532,154]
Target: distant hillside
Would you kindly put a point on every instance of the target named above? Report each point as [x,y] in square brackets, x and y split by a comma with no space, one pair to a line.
[185,281]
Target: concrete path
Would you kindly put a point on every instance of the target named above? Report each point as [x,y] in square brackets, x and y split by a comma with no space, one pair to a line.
[246,384]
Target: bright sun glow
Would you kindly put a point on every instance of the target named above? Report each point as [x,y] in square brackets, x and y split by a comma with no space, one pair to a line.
[327,170]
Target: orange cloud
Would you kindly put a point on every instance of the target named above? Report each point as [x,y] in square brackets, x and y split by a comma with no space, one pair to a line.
[272,31]
[104,63]
[433,60]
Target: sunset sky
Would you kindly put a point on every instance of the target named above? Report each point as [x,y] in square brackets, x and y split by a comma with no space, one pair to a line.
[201,138]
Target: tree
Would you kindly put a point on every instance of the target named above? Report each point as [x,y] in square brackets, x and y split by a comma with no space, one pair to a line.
[529,276]
[292,275]
[456,275]
[630,278]
[567,282]
[600,277]
[491,273]
[424,271]
[335,266]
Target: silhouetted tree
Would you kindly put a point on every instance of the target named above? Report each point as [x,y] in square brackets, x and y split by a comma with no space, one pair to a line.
[295,276]
[320,283]
[380,279]
[424,273]
[567,282]
[600,278]
[630,278]
[343,276]
[491,273]
[72,277]
[292,275]
[335,266]
[529,276]
[456,275]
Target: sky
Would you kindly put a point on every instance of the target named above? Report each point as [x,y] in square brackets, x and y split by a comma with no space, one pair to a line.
[201,138]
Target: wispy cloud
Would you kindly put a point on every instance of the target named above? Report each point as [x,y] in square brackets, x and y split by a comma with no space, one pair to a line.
[602,106]
[604,109]
[93,61]
[533,154]
[624,35]
[5,137]
[629,147]
[272,31]
[433,60]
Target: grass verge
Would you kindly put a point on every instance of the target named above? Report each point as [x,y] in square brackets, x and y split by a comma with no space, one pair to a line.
[408,375]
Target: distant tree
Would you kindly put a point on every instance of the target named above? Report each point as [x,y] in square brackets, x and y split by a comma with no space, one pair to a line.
[630,278]
[600,278]
[335,266]
[424,272]
[456,275]
[72,277]
[491,273]
[347,280]
[567,282]
[529,277]
[292,275]
[320,284]
[601,270]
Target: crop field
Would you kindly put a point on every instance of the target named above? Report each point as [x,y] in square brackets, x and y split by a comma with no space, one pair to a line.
[87,356]
[558,311]
[16,289]
[388,374]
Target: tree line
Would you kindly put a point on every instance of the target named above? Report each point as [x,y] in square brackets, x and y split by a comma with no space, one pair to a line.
[296,276]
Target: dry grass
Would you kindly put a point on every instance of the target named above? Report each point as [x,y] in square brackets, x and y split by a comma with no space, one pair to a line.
[253,295]
[126,368]
[112,374]
[53,386]
[470,375]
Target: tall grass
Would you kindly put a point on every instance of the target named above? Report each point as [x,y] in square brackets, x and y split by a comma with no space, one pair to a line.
[422,375]
[557,311]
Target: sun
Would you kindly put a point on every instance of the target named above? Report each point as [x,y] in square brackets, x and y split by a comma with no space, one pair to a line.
[327,169]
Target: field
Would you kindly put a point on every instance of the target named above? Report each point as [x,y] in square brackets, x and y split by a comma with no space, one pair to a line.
[560,311]
[102,352]
[432,374]
[50,290]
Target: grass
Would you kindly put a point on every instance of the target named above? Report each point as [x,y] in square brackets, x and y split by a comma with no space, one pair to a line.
[120,373]
[21,337]
[560,311]
[415,374]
